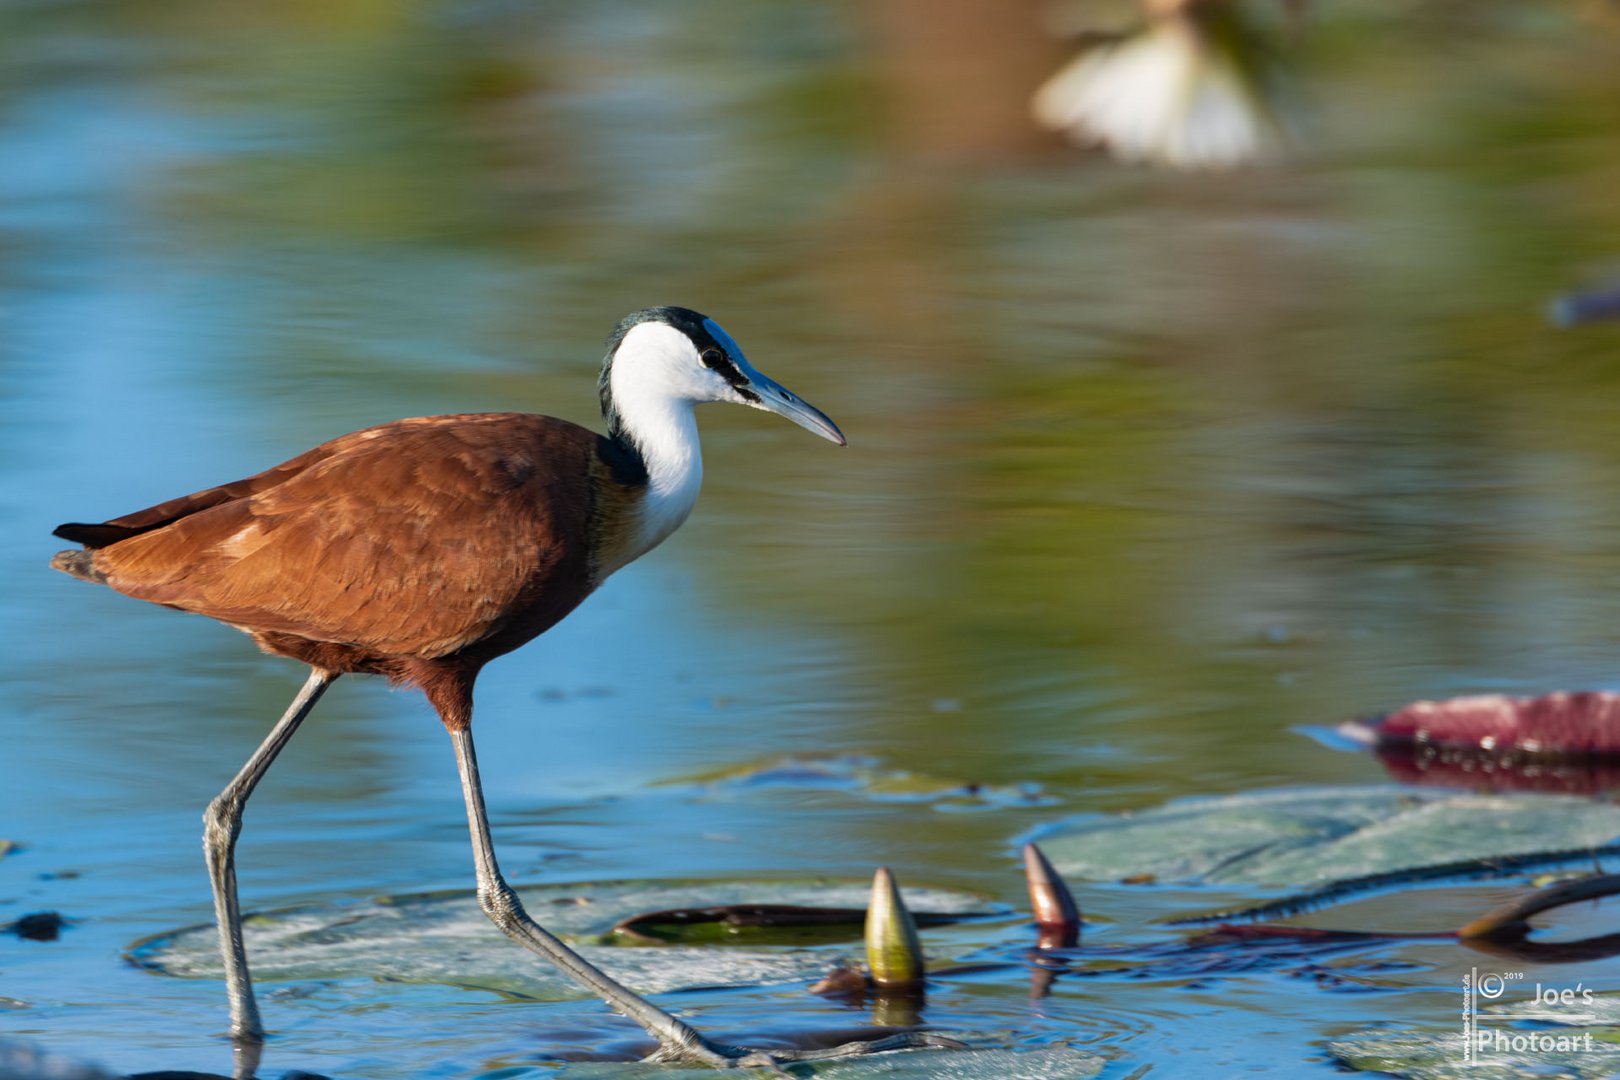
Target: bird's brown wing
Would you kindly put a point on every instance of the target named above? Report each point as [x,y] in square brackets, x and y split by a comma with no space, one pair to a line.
[415,538]
[102,533]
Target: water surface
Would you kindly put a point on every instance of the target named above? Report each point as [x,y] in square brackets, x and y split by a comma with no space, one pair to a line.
[1145,469]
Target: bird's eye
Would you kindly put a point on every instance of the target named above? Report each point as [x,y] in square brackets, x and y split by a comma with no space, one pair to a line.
[713,358]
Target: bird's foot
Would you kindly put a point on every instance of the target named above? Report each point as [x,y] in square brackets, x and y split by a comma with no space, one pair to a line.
[721,1056]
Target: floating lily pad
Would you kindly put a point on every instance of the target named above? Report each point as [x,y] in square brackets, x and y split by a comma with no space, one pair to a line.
[1043,1063]
[1582,725]
[1056,1062]
[1309,835]
[445,938]
[1561,742]
[1534,1048]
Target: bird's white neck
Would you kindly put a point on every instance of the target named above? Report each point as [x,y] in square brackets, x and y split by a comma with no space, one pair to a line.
[663,428]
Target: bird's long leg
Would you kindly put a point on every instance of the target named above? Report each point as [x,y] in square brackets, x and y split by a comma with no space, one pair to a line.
[221,825]
[678,1040]
[506,911]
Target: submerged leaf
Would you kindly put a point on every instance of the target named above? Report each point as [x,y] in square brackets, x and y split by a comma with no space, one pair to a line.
[763,924]
[867,776]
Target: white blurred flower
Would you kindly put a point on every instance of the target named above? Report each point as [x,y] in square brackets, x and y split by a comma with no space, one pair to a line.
[1181,92]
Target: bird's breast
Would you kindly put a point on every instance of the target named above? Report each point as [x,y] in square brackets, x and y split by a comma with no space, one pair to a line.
[636,509]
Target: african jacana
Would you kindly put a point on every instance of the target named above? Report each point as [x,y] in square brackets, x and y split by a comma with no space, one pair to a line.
[422,549]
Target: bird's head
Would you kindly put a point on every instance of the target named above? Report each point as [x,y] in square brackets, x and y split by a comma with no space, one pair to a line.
[670,356]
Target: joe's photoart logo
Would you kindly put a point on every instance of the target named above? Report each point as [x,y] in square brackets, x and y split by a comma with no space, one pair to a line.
[1482,1040]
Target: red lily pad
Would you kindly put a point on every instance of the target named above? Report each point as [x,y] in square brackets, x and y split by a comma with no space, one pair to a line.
[1564,725]
[1564,742]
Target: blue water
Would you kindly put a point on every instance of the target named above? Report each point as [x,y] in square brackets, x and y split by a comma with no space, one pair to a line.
[1145,470]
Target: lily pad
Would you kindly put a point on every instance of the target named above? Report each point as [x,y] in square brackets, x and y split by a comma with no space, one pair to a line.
[1581,725]
[1527,1047]
[1309,835]
[1561,742]
[445,938]
[1054,1062]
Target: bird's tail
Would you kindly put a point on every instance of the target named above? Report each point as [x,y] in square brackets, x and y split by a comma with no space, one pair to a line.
[79,564]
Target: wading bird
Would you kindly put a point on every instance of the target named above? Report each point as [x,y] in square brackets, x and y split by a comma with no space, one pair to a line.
[422,549]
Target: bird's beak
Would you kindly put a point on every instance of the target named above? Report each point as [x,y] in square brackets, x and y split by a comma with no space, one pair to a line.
[772,396]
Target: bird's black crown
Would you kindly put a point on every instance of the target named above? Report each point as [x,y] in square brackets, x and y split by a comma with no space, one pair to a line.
[694,325]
